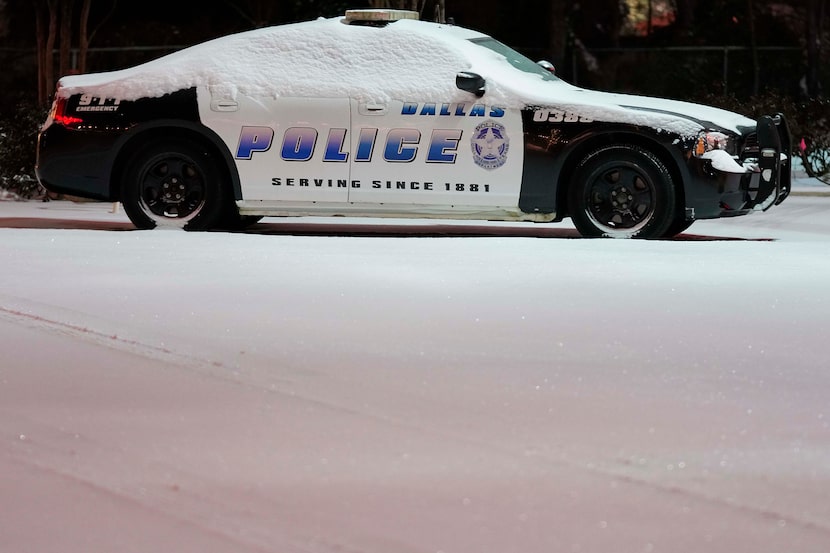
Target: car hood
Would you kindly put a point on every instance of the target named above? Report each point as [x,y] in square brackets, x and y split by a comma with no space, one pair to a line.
[670,115]
[706,116]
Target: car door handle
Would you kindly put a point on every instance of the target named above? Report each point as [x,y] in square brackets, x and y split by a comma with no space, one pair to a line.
[224,105]
[373,109]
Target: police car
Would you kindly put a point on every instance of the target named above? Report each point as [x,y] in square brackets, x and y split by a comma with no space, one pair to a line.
[378,114]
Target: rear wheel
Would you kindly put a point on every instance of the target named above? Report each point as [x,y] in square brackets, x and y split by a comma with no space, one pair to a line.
[173,184]
[677,226]
[622,191]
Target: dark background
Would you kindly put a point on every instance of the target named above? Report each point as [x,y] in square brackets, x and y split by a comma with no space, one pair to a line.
[574,35]
[750,56]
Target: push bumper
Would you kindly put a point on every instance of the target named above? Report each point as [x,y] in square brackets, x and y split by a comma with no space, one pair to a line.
[770,179]
[757,178]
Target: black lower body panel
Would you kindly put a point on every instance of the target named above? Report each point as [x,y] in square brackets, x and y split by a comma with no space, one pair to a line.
[76,162]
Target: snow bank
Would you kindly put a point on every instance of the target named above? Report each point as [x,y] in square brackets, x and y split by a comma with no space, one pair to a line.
[722,161]
[6,195]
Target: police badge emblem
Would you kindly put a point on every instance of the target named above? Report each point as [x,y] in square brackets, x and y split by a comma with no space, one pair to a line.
[490,145]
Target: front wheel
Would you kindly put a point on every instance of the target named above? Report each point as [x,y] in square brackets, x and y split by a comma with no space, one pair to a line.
[173,184]
[622,191]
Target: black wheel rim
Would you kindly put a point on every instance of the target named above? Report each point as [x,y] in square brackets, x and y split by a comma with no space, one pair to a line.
[172,188]
[620,199]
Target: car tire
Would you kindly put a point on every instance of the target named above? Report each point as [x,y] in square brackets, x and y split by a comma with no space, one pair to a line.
[622,191]
[677,226]
[173,184]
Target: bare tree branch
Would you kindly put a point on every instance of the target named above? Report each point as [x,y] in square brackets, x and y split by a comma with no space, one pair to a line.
[65,36]
[103,20]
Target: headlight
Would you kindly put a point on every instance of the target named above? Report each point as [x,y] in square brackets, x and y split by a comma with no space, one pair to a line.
[709,141]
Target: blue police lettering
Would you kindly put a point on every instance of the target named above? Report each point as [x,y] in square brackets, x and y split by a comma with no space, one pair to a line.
[298,143]
[397,149]
[443,146]
[447,109]
[479,110]
[366,144]
[254,139]
[334,146]
[401,145]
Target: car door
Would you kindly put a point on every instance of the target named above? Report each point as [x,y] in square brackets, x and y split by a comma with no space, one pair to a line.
[285,149]
[448,155]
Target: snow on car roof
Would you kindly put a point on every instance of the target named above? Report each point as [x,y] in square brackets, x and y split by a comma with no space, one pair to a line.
[322,58]
[407,60]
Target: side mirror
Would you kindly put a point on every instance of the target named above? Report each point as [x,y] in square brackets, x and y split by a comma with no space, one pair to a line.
[470,82]
[545,64]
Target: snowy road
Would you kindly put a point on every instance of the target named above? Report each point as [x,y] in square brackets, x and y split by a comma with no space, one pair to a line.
[318,386]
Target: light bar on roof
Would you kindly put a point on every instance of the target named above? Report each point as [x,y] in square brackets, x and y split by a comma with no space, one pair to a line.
[380,15]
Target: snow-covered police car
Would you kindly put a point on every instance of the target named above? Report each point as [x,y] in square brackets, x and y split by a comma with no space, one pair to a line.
[379,114]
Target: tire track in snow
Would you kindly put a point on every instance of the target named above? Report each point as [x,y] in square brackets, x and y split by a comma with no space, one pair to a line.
[108,340]
[197,520]
[818,526]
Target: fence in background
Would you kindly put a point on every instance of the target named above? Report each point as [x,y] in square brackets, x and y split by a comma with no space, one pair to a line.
[676,72]
[686,71]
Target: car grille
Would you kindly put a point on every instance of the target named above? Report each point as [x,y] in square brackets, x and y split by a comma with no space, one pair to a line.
[750,146]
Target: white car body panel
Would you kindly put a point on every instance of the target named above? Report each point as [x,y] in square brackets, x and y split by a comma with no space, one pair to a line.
[340,155]
[424,154]
[280,145]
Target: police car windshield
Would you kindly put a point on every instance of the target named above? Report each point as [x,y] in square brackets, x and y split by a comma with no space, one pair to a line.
[514,58]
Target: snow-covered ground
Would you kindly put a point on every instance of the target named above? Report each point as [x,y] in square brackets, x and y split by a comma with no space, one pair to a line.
[353,386]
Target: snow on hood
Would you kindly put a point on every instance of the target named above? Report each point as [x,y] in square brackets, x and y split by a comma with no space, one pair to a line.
[408,60]
[684,118]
